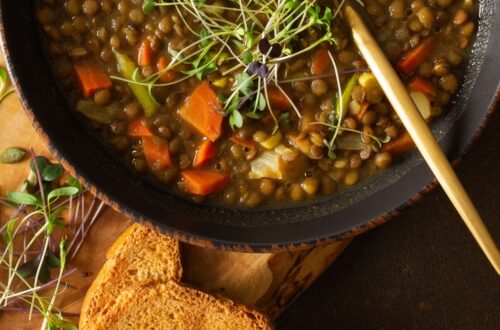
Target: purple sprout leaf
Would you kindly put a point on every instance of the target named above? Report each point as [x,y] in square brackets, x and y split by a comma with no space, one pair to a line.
[263,71]
[264,46]
[253,68]
[276,50]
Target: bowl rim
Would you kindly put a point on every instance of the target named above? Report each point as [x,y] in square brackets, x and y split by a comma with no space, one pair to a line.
[227,244]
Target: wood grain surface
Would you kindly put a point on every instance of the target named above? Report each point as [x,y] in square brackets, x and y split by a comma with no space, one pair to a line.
[268,281]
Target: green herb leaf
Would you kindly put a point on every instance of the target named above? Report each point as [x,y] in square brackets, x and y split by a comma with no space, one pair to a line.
[240,31]
[53,261]
[284,118]
[148,6]
[261,102]
[41,162]
[327,15]
[28,269]
[57,322]
[22,198]
[12,155]
[44,275]
[72,182]
[249,38]
[8,235]
[3,79]
[245,84]
[52,172]
[64,191]
[247,57]
[253,115]
[63,251]
[204,36]
[236,119]
[232,105]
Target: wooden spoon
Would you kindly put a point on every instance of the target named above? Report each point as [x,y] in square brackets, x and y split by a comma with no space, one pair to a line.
[402,103]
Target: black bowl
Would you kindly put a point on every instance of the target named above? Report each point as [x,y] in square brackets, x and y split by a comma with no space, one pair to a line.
[267,229]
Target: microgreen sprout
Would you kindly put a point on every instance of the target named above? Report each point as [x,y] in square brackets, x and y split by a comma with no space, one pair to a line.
[4,85]
[37,238]
[263,35]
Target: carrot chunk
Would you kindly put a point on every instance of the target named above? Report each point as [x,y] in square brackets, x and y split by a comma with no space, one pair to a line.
[206,151]
[145,54]
[416,56]
[400,145]
[92,78]
[201,110]
[278,99]
[139,128]
[419,84]
[203,182]
[267,120]
[156,153]
[320,61]
[168,76]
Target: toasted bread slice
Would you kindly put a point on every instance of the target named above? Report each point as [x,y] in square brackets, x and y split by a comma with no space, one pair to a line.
[174,306]
[140,256]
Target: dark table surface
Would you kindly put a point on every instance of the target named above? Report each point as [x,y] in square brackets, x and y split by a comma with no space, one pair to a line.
[420,270]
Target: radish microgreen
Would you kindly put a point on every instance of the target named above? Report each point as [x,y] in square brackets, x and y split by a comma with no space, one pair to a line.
[36,238]
[249,48]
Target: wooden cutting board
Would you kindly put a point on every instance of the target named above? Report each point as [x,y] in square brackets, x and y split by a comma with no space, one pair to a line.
[268,281]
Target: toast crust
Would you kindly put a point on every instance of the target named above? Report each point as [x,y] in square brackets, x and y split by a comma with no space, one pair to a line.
[117,256]
[175,306]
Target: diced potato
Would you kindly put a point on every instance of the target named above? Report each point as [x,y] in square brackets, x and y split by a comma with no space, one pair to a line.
[271,164]
[266,166]
[423,103]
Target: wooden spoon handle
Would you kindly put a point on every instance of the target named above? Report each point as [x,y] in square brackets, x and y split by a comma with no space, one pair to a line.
[421,134]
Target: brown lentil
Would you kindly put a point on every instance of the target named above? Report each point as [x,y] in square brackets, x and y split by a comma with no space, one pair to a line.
[102,97]
[310,185]
[449,83]
[90,7]
[319,87]
[296,192]
[383,160]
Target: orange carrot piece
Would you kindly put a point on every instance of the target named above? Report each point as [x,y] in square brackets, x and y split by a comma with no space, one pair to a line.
[277,99]
[250,144]
[416,56]
[419,84]
[206,151]
[168,76]
[201,110]
[156,153]
[400,145]
[139,128]
[267,120]
[145,54]
[92,78]
[320,61]
[203,182]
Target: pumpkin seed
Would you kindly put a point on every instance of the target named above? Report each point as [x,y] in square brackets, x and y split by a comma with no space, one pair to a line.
[12,155]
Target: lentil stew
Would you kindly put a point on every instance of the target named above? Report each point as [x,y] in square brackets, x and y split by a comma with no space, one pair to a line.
[251,103]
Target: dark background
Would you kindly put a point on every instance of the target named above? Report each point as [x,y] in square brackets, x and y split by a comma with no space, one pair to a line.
[422,269]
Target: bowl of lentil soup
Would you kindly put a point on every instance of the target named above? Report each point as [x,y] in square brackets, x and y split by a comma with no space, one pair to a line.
[248,123]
